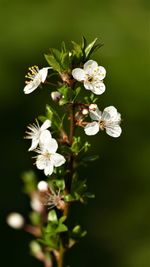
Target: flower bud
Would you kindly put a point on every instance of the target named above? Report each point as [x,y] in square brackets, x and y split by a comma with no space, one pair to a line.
[15,220]
[42,186]
[85,111]
[56,96]
[36,204]
[92,107]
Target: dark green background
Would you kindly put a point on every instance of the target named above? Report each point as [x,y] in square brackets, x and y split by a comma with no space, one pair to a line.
[118,219]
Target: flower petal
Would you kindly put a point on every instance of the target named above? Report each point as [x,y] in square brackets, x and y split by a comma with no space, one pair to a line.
[110,114]
[114,131]
[92,128]
[52,146]
[78,74]
[43,73]
[34,144]
[95,114]
[31,86]
[45,138]
[90,66]
[101,72]
[97,87]
[40,162]
[46,125]
[57,159]
[48,169]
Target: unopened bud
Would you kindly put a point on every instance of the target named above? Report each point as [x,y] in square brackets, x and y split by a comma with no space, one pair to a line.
[36,204]
[92,107]
[85,111]
[56,96]
[15,220]
[42,186]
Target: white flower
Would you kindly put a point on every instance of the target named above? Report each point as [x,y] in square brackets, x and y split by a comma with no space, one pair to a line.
[37,133]
[15,220]
[92,76]
[36,77]
[48,158]
[108,120]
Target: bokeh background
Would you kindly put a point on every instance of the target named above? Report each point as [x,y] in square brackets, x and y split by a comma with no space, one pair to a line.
[118,219]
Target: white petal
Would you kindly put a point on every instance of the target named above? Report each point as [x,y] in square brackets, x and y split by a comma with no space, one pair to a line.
[48,169]
[101,73]
[31,86]
[52,146]
[97,87]
[110,114]
[78,74]
[92,128]
[43,73]
[57,159]
[45,138]
[40,162]
[114,131]
[95,114]
[46,125]
[90,66]
[34,144]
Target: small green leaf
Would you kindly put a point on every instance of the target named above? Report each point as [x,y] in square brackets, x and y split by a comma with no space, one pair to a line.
[76,93]
[52,216]
[90,158]
[60,184]
[53,63]
[61,228]
[62,219]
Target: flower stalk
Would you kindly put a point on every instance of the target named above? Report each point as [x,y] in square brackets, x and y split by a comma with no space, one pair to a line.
[60,151]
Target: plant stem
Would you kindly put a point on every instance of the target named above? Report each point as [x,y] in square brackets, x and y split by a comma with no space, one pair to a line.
[68,181]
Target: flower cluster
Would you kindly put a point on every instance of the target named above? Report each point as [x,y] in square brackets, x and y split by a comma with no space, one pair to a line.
[45,146]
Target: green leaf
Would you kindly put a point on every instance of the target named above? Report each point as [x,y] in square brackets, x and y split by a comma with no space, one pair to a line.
[76,93]
[61,228]
[90,158]
[52,115]
[89,47]
[60,184]
[62,219]
[78,232]
[92,47]
[52,216]
[52,61]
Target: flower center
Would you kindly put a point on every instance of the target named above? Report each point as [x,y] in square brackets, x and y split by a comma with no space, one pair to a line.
[33,71]
[90,79]
[102,125]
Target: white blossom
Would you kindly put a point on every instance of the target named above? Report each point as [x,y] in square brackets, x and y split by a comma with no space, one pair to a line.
[108,120]
[36,76]
[37,133]
[92,76]
[48,158]
[15,220]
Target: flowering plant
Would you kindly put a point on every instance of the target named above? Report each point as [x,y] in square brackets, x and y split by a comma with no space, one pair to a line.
[60,150]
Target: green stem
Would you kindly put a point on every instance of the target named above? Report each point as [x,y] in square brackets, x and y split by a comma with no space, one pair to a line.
[69,177]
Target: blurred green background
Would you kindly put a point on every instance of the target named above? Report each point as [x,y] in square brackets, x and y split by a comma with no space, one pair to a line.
[118,219]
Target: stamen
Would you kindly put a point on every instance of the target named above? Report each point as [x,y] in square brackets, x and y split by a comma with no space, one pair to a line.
[33,71]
